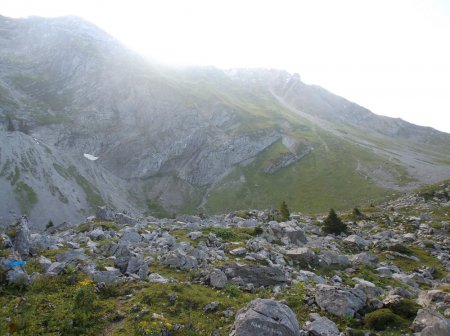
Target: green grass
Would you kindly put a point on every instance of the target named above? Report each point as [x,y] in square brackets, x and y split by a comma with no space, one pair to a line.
[426,259]
[93,196]
[48,307]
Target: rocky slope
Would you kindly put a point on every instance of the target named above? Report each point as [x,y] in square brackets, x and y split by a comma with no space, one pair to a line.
[234,274]
[185,140]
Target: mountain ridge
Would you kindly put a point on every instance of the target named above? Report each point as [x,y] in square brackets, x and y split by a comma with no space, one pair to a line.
[195,139]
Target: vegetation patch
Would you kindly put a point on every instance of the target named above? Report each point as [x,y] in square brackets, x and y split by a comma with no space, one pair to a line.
[384,319]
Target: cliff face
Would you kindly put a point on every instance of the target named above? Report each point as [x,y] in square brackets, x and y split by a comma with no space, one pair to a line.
[167,139]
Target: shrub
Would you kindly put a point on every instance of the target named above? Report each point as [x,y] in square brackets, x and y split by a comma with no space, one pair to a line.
[333,224]
[257,231]
[401,249]
[405,308]
[383,319]
[49,224]
[357,214]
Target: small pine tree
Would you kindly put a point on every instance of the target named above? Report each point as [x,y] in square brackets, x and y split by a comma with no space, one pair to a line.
[333,224]
[357,214]
[284,211]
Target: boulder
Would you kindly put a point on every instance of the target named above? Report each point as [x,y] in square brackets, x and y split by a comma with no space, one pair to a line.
[122,254]
[17,276]
[238,251]
[56,268]
[130,238]
[104,213]
[71,256]
[435,298]
[339,302]
[332,259]
[303,256]
[321,326]
[108,276]
[124,219]
[371,291]
[355,239]
[137,265]
[426,318]
[217,279]
[44,242]
[22,237]
[44,263]
[441,328]
[178,259]
[264,317]
[155,277]
[194,235]
[364,258]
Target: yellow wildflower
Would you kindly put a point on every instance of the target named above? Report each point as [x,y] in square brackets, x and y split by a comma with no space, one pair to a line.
[85,282]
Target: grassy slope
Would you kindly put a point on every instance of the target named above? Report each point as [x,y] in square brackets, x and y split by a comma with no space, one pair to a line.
[321,180]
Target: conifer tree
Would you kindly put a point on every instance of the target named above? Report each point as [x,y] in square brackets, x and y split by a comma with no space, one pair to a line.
[284,211]
[333,224]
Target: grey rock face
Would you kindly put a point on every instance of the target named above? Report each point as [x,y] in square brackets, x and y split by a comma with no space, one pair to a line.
[265,317]
[217,279]
[339,302]
[321,326]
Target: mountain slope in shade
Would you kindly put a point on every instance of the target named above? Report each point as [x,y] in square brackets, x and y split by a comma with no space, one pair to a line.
[173,140]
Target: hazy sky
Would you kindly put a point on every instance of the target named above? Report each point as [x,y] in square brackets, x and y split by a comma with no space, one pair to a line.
[391,56]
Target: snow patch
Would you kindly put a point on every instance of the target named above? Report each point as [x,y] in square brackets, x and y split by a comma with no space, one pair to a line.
[90,157]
